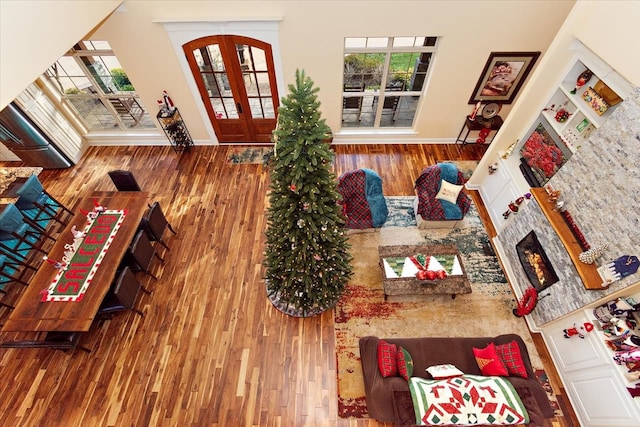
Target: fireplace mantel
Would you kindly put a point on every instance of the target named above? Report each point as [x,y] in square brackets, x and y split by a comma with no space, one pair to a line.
[588,272]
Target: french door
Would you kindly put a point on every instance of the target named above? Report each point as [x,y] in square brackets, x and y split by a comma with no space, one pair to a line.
[237,84]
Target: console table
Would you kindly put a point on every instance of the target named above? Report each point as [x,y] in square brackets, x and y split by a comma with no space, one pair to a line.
[479,123]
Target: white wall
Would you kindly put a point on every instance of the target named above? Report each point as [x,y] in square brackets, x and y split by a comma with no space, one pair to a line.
[34,34]
[311,36]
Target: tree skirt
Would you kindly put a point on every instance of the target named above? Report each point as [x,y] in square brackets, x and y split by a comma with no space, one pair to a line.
[363,311]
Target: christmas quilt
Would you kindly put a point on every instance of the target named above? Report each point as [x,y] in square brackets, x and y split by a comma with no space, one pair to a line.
[467,400]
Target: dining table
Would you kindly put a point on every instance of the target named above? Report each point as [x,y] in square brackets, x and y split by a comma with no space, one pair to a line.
[38,309]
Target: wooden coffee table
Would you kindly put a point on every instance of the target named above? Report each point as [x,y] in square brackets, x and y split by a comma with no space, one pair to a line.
[398,270]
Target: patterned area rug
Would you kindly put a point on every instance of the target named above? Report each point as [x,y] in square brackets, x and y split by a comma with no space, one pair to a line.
[363,310]
[248,155]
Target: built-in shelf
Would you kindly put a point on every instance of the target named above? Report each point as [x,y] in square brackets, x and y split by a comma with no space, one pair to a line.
[588,272]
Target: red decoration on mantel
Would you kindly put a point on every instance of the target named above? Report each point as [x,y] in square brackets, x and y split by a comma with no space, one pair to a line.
[584,245]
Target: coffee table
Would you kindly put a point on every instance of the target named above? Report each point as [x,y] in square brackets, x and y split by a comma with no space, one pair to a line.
[399,270]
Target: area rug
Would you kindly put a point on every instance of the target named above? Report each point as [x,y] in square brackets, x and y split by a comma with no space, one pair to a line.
[248,155]
[363,310]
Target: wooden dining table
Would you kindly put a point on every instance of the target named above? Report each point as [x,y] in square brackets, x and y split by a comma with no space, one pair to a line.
[31,313]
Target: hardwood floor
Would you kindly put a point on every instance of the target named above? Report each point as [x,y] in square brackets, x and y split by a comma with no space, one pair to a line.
[211,350]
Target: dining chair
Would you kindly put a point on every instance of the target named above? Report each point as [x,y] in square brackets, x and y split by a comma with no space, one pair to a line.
[15,233]
[55,340]
[124,180]
[33,196]
[140,254]
[123,295]
[154,223]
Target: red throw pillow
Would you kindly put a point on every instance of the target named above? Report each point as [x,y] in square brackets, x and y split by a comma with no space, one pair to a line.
[387,355]
[405,363]
[511,358]
[489,361]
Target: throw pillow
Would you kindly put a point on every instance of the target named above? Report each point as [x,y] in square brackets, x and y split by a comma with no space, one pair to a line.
[387,359]
[439,372]
[489,362]
[405,363]
[511,358]
[448,191]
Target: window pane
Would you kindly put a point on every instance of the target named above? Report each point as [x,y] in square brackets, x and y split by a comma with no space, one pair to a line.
[363,69]
[377,41]
[213,57]
[351,42]
[230,108]
[267,106]
[402,68]
[398,113]
[404,41]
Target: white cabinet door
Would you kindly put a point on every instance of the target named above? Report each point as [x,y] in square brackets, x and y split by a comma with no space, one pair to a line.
[574,353]
[601,400]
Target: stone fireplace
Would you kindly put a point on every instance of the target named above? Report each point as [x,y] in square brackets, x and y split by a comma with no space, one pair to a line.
[600,187]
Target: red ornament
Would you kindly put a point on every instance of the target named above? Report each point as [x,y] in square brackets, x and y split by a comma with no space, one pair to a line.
[421,274]
[292,187]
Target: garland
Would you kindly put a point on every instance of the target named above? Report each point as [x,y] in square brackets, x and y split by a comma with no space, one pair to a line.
[527,303]
[582,241]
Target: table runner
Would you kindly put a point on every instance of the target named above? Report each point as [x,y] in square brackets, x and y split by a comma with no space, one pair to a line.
[74,277]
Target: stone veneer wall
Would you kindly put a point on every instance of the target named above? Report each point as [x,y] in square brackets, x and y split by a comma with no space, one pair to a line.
[600,185]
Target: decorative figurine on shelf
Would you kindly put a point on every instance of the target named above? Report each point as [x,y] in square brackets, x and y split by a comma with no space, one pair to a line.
[582,80]
[475,110]
[562,115]
[97,207]
[572,332]
[619,268]
[77,234]
[56,264]
[590,256]
[510,149]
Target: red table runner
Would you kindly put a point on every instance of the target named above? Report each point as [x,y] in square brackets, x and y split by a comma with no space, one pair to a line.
[74,277]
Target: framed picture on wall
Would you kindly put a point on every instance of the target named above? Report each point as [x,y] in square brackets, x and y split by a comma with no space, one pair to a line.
[503,76]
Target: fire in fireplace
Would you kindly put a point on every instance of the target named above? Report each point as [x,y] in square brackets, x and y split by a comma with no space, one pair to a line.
[535,263]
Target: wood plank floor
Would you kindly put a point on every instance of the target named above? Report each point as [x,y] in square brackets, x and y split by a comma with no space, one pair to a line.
[211,350]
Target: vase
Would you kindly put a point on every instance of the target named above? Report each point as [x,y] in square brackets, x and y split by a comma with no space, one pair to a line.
[590,256]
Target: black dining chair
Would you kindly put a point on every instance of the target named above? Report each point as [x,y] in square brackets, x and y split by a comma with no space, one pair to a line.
[123,295]
[124,180]
[64,341]
[154,223]
[140,254]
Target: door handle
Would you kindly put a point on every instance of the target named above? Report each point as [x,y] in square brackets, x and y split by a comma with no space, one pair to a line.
[239,107]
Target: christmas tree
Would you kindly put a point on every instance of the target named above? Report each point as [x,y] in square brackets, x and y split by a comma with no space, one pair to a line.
[307,256]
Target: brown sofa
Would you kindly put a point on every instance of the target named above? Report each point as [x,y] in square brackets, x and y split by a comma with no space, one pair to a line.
[389,399]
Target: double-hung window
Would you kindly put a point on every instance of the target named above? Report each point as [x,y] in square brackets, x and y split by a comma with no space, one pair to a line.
[384,80]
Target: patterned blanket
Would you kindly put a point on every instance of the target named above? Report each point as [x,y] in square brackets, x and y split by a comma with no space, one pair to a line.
[467,400]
